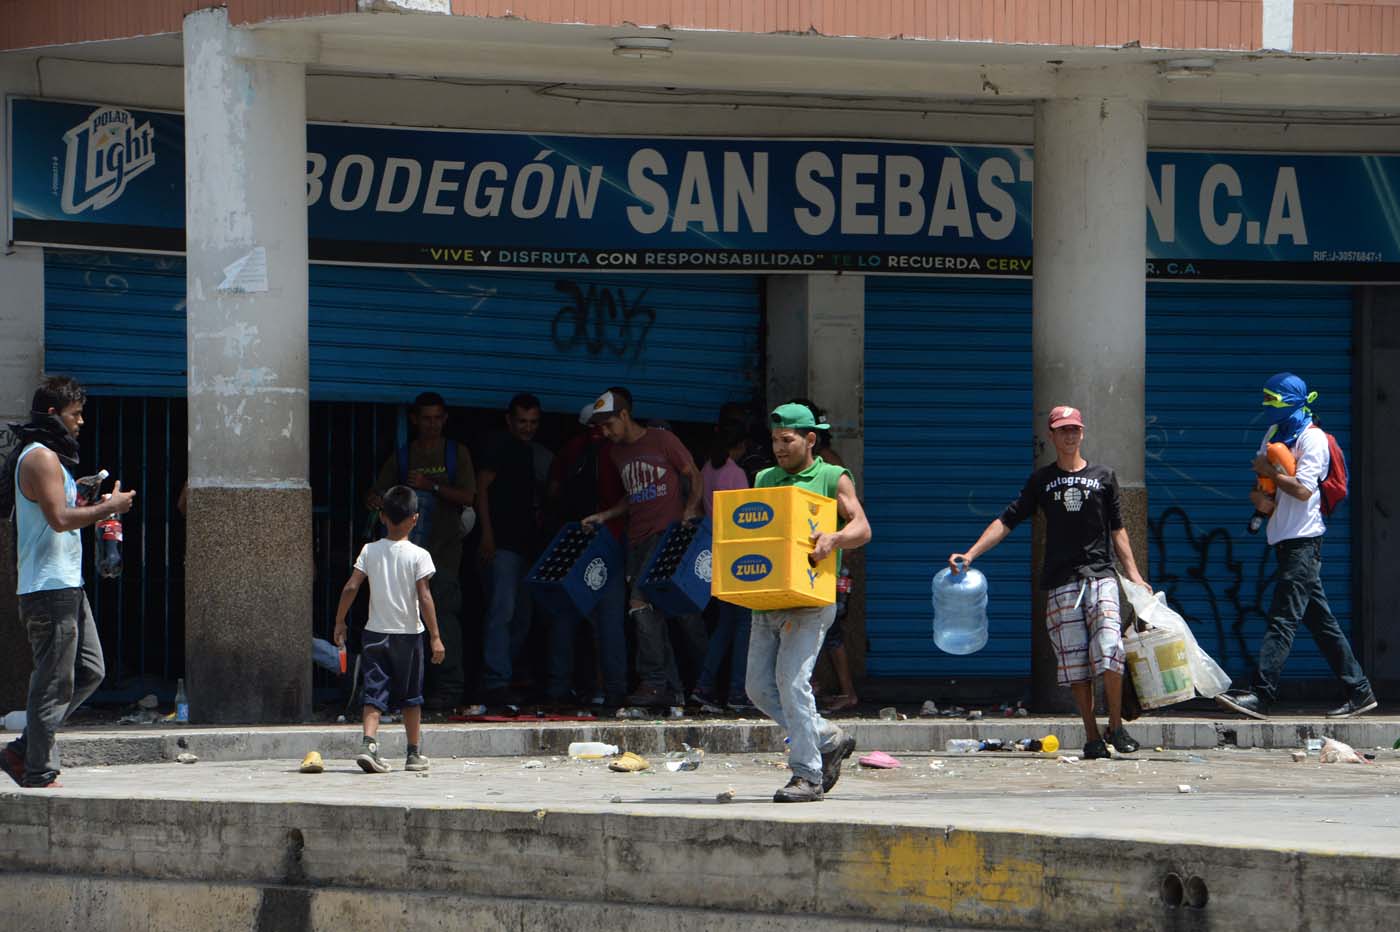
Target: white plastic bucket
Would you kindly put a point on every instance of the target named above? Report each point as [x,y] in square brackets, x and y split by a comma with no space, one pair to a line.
[1161,672]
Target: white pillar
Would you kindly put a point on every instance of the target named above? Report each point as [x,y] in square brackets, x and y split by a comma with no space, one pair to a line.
[248,589]
[1089,337]
[1090,255]
[816,350]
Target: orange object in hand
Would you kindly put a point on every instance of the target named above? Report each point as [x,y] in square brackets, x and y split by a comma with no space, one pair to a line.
[342,658]
[1283,461]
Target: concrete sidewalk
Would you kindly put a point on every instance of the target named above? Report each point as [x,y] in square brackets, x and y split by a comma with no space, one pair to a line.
[972,841]
[119,744]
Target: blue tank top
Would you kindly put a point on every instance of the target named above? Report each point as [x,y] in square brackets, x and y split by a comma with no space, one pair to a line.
[48,559]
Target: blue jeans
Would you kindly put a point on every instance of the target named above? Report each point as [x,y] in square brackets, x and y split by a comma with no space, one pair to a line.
[731,636]
[783,649]
[508,611]
[1298,596]
[607,617]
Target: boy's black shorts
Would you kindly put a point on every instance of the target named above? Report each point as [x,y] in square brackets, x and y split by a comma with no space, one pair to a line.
[392,667]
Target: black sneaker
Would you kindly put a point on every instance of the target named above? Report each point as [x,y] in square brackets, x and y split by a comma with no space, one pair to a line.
[12,764]
[1244,702]
[799,790]
[650,697]
[417,763]
[831,760]
[1096,750]
[370,761]
[1122,742]
[1354,707]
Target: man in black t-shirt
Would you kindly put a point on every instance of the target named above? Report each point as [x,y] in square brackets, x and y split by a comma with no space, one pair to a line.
[1082,519]
[511,493]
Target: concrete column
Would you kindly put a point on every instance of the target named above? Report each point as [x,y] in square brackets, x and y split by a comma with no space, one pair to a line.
[248,558]
[21,365]
[1089,296]
[816,350]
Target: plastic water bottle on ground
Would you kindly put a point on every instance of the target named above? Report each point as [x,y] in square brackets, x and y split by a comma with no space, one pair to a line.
[963,745]
[592,750]
[960,610]
[182,702]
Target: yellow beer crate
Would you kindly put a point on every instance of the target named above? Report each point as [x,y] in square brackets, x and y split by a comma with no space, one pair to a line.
[771,573]
[762,541]
[786,513]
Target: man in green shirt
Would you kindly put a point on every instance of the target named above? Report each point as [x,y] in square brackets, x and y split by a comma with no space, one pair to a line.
[784,644]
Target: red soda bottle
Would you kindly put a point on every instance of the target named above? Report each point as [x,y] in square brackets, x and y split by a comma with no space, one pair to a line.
[109,547]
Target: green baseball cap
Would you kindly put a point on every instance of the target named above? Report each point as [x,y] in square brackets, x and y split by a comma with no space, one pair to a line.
[795,417]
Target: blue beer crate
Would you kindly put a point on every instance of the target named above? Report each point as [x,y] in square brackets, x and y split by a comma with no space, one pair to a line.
[571,573]
[677,577]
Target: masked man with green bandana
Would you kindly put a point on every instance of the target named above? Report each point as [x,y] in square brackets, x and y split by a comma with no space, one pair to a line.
[784,644]
[1295,532]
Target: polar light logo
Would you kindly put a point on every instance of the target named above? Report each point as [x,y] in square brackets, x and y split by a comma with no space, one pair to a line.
[105,152]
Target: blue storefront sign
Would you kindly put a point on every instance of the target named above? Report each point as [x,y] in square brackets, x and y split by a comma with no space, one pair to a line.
[91,175]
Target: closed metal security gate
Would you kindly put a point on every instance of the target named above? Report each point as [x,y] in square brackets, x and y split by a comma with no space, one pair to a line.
[1209,350]
[684,344]
[947,406]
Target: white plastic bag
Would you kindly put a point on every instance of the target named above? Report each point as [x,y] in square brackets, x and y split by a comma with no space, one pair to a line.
[1338,752]
[1152,610]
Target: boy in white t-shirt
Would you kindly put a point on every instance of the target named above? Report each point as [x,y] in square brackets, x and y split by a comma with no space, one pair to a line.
[398,571]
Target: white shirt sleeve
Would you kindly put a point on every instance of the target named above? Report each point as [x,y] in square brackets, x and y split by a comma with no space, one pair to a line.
[425,565]
[1312,458]
[360,560]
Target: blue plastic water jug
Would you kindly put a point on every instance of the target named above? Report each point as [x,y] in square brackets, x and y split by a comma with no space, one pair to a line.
[960,611]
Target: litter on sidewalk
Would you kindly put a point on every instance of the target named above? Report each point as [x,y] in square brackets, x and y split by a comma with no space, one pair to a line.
[690,760]
[1338,752]
[630,763]
[312,763]
[879,760]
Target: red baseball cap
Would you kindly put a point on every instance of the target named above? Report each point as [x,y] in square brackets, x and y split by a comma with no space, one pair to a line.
[1065,416]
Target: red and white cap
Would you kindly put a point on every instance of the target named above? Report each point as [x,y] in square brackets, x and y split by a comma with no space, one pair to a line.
[1065,416]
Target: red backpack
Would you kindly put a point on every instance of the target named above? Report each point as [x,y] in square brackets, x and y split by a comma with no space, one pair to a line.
[1333,485]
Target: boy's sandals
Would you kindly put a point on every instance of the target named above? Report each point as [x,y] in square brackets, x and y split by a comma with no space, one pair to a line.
[630,763]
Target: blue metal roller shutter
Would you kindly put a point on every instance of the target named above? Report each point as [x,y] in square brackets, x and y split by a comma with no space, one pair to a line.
[1209,350]
[684,343]
[116,322]
[947,408]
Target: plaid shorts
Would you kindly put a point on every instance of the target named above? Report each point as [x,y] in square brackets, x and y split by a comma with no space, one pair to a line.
[1085,629]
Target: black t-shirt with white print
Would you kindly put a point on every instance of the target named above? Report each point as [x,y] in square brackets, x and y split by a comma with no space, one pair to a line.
[1081,508]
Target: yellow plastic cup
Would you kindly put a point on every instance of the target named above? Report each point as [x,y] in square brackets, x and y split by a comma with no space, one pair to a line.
[1050,744]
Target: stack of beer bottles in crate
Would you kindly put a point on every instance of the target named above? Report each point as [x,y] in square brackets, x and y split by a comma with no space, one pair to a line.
[763,548]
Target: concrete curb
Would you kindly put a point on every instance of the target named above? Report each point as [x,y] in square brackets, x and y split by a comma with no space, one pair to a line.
[117,746]
[841,870]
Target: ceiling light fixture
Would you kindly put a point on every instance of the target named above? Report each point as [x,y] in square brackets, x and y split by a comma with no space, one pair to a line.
[640,47]
[1186,68]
